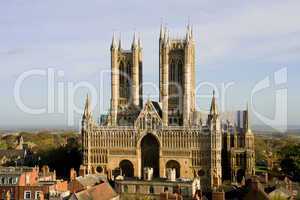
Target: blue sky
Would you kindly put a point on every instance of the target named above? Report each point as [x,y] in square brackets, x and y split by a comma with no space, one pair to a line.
[236,41]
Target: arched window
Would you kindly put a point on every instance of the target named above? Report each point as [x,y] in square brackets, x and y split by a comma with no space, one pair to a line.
[121,79]
[180,72]
[173,164]
[127,168]
[151,190]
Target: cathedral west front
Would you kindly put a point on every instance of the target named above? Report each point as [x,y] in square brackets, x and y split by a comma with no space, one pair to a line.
[168,134]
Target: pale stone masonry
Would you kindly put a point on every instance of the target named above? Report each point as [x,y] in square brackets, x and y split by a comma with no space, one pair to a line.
[165,134]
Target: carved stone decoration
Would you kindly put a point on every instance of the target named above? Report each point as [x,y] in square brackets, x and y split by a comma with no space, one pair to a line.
[148,118]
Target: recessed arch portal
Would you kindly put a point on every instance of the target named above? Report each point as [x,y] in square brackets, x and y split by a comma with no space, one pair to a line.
[240,175]
[173,164]
[150,153]
[126,168]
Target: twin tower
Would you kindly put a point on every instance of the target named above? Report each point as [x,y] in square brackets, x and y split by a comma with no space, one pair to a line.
[176,78]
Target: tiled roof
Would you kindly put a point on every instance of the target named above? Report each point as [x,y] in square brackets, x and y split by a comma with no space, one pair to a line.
[12,153]
[90,180]
[102,191]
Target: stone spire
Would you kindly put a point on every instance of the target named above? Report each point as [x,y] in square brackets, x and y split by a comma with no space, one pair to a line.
[247,120]
[187,36]
[113,42]
[120,46]
[192,34]
[213,106]
[139,41]
[87,108]
[134,41]
[166,35]
[161,34]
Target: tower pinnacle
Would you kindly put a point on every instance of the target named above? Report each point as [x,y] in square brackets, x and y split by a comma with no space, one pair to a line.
[139,42]
[134,41]
[87,108]
[247,125]
[213,107]
[161,34]
[113,42]
[120,46]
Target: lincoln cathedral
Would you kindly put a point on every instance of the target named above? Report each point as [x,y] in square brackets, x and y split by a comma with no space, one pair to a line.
[169,136]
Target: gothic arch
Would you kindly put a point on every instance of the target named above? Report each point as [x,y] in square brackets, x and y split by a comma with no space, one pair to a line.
[143,135]
[240,174]
[150,153]
[173,164]
[180,72]
[126,168]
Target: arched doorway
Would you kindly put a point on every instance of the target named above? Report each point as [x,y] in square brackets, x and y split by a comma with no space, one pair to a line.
[150,153]
[126,168]
[240,175]
[174,165]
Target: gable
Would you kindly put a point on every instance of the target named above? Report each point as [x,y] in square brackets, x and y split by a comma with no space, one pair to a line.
[149,117]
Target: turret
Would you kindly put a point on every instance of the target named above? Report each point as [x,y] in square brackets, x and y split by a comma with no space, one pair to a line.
[135,71]
[134,42]
[113,43]
[139,42]
[164,71]
[246,120]
[120,44]
[216,144]
[249,137]
[114,79]
[161,34]
[87,114]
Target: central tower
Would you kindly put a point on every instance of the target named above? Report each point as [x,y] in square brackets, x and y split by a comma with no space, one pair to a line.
[177,77]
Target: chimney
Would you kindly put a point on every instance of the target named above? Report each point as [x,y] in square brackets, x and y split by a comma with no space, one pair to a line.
[73,174]
[7,195]
[82,170]
[41,196]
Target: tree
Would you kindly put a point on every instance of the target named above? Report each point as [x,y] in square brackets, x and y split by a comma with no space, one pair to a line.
[290,161]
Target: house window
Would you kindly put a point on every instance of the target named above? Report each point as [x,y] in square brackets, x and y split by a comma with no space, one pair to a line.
[27,195]
[37,194]
[151,190]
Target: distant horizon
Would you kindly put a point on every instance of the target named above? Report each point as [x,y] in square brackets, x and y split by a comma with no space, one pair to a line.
[64,128]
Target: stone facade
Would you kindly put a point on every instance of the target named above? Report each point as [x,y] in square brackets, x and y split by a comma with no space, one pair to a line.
[165,134]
